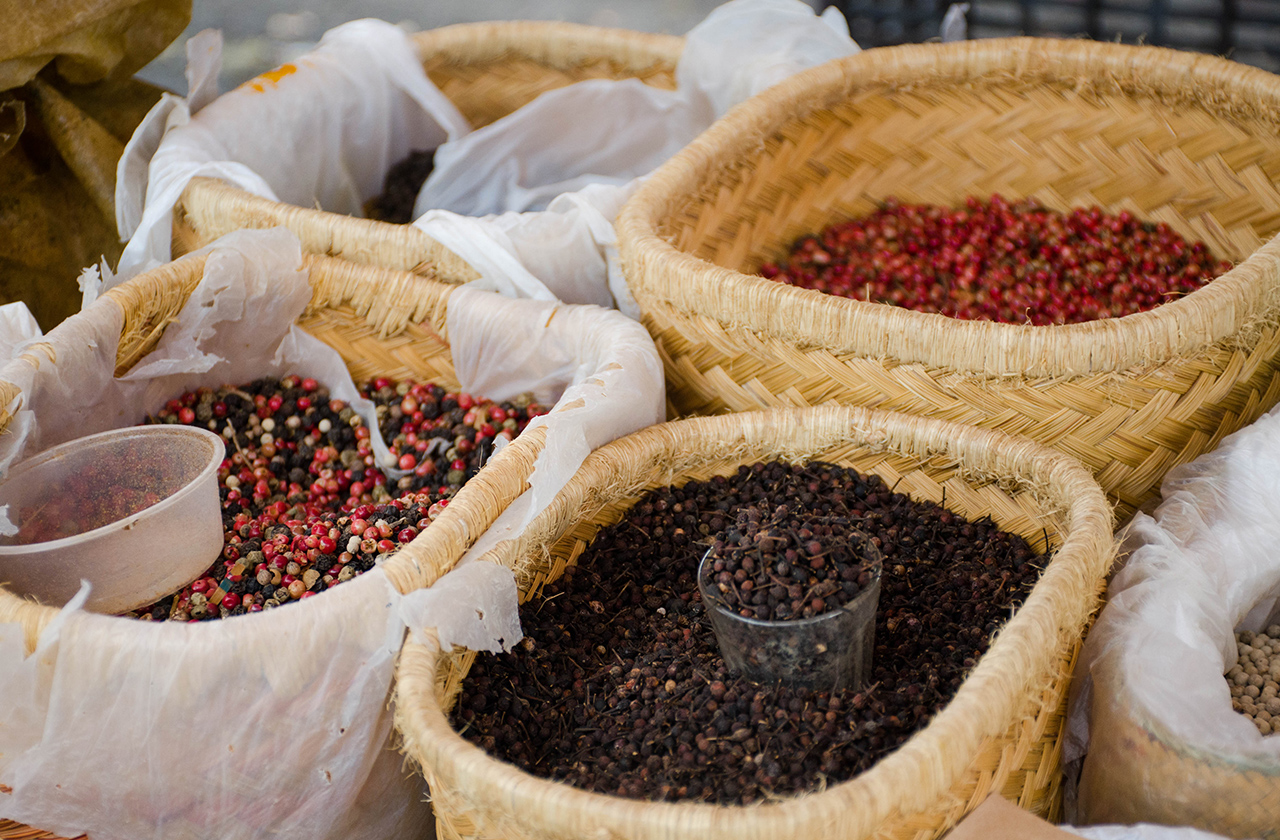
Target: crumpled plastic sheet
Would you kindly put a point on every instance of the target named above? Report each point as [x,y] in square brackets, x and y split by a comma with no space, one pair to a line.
[546,181]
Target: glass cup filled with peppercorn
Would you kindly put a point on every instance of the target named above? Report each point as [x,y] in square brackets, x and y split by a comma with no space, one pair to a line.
[792,598]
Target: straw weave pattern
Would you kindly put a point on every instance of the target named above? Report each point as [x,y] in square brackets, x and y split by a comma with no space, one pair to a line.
[1002,732]
[381,322]
[1189,140]
[487,70]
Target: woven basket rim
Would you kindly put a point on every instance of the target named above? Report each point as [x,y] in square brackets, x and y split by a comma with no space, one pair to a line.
[415,561]
[1023,653]
[1245,295]
[554,43]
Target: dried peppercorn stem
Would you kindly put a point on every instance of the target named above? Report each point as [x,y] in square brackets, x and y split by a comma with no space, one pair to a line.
[423,561]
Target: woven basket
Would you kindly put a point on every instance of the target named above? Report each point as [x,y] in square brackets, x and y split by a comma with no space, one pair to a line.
[1185,139]
[382,323]
[488,70]
[1002,732]
[1149,774]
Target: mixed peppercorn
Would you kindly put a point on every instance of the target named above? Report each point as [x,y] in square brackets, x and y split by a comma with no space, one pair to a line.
[304,505]
[1012,262]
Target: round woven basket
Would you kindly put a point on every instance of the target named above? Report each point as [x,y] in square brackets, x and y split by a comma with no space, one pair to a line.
[382,323]
[488,70]
[1002,732]
[1189,140]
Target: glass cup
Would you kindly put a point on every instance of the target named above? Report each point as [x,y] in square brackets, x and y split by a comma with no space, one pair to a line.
[825,652]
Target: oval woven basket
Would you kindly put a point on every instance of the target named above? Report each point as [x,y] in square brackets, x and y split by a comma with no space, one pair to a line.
[382,323]
[488,70]
[1002,731]
[1185,139]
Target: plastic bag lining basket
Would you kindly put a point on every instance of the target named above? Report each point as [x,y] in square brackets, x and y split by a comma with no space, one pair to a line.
[1153,771]
[382,323]
[488,70]
[1173,137]
[1002,732]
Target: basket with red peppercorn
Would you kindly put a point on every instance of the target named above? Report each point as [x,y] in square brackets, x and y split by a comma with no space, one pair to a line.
[615,717]
[291,699]
[1062,239]
[488,70]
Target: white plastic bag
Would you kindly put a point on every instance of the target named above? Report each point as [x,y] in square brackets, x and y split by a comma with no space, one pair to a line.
[1142,831]
[577,152]
[17,327]
[322,130]
[612,131]
[1204,566]
[273,724]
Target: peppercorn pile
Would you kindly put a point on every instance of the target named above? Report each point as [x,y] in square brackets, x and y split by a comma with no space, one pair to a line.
[400,189]
[619,687]
[304,506]
[1255,679]
[786,566]
[1016,263]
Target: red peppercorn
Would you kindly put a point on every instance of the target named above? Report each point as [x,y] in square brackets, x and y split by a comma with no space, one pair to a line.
[1016,263]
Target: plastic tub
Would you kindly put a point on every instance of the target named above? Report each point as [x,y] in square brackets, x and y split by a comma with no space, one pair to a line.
[106,508]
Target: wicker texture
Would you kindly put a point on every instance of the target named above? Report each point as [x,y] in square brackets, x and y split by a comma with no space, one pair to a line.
[488,70]
[1002,732]
[381,322]
[1152,775]
[1189,140]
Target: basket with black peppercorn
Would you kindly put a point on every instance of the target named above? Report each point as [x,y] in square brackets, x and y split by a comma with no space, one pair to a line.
[616,715]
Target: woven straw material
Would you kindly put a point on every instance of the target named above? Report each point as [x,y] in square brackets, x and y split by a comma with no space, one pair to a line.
[1152,775]
[488,70]
[1185,139]
[381,322]
[1002,732]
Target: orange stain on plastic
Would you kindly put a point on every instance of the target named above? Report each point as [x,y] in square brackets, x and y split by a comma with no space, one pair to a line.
[273,77]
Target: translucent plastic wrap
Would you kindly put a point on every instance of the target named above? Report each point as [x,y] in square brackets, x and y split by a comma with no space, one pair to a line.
[1154,711]
[322,130]
[276,723]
